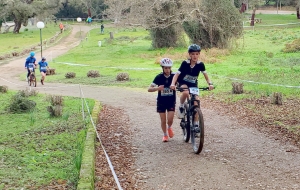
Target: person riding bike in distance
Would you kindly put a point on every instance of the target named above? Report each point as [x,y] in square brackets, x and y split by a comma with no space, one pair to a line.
[166,98]
[43,69]
[187,76]
[30,63]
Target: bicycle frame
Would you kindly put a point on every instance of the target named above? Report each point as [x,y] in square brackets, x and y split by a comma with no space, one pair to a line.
[192,108]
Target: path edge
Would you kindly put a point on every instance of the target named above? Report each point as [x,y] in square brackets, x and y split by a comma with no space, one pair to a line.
[87,169]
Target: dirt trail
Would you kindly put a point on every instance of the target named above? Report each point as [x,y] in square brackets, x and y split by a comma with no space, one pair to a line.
[234,156]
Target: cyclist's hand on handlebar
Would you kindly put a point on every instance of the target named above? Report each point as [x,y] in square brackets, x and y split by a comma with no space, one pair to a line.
[211,87]
[172,86]
[160,87]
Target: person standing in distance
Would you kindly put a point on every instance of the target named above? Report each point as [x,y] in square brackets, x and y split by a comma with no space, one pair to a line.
[43,69]
[102,28]
[166,97]
[187,76]
[30,63]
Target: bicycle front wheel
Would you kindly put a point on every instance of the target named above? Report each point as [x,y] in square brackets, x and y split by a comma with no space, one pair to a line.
[185,125]
[197,132]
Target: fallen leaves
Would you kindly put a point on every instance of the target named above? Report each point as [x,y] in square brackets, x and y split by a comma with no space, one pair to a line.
[116,136]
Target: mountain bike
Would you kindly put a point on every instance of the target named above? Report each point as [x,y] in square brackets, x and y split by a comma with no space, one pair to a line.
[192,112]
[32,78]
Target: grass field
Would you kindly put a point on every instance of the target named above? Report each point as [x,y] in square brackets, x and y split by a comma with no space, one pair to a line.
[28,37]
[36,149]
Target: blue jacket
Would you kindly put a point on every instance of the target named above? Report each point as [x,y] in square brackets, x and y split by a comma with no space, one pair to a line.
[30,62]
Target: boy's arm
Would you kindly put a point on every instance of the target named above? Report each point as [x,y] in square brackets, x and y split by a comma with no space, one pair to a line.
[174,81]
[210,84]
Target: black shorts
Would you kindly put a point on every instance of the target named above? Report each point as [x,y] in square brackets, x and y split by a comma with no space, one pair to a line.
[162,108]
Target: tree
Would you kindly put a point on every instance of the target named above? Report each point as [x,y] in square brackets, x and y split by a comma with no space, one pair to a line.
[297,9]
[118,9]
[254,4]
[214,24]
[21,10]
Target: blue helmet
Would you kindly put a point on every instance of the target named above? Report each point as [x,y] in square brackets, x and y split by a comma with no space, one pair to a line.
[194,48]
[32,54]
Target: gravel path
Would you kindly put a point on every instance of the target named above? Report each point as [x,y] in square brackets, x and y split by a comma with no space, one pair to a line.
[234,156]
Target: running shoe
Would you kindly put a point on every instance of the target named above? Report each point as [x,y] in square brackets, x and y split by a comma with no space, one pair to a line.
[165,139]
[170,132]
[42,82]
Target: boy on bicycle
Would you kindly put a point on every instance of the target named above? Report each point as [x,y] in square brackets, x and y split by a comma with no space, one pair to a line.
[187,76]
[30,64]
[166,98]
[43,69]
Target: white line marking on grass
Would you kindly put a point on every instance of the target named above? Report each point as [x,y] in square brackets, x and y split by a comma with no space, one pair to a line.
[250,81]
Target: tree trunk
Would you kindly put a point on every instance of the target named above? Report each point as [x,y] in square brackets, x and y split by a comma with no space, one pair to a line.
[17,26]
[298,14]
[89,12]
[253,17]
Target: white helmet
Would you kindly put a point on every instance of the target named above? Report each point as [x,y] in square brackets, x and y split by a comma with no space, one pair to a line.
[166,62]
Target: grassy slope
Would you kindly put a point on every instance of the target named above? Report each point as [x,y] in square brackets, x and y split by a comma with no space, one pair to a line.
[36,149]
[24,39]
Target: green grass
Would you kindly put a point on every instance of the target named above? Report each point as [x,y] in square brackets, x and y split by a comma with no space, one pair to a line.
[268,19]
[25,39]
[36,149]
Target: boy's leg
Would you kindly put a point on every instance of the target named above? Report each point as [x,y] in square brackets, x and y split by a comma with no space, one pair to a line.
[182,99]
[43,77]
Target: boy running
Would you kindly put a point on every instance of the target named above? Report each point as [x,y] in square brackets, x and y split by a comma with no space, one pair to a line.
[43,69]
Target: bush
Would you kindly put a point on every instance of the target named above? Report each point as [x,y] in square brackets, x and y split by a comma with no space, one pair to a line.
[70,75]
[122,77]
[55,111]
[20,104]
[292,47]
[3,89]
[26,93]
[55,100]
[93,74]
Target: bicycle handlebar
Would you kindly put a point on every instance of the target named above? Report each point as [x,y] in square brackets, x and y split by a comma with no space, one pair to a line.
[185,88]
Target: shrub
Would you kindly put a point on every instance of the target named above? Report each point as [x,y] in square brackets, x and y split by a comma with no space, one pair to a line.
[122,77]
[70,75]
[55,111]
[26,93]
[55,100]
[292,47]
[3,89]
[93,74]
[269,54]
[20,104]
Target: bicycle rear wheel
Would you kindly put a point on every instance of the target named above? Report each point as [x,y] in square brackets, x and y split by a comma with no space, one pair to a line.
[197,134]
[185,126]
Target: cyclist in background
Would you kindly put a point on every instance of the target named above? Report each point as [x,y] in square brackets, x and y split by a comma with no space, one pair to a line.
[43,69]
[187,76]
[30,63]
[166,98]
